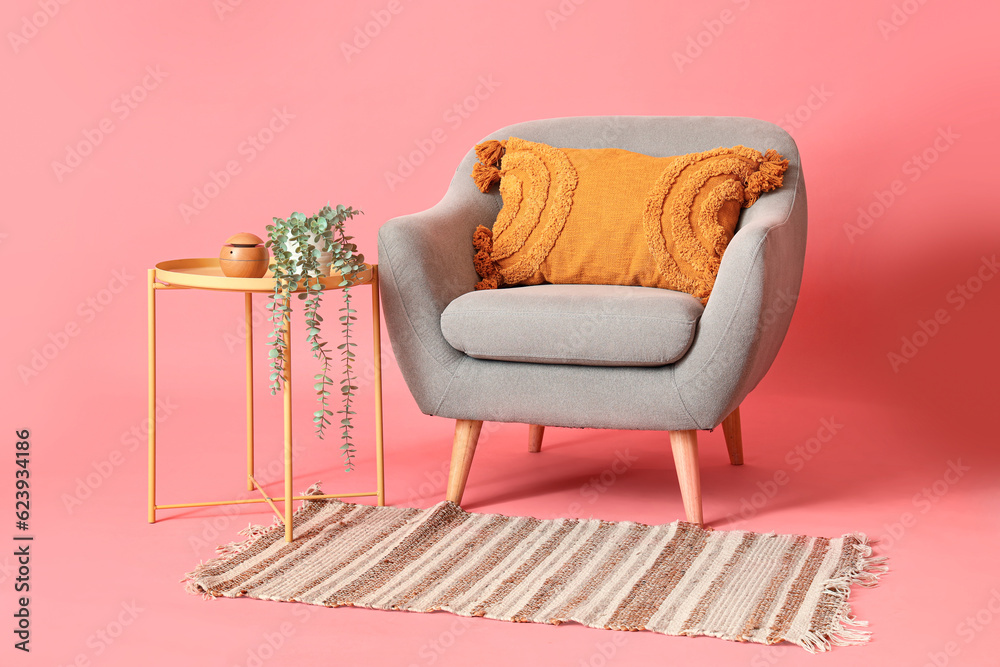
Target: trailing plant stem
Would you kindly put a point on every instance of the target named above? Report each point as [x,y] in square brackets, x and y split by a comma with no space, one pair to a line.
[296,245]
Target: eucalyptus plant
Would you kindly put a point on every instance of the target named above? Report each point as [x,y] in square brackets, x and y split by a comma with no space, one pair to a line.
[297,245]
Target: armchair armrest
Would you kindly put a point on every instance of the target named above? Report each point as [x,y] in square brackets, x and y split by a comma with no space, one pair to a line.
[425,262]
[751,306]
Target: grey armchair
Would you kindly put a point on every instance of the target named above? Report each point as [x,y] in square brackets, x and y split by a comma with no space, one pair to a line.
[594,356]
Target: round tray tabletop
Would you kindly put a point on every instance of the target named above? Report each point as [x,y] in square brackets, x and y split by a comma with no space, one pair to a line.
[205,273]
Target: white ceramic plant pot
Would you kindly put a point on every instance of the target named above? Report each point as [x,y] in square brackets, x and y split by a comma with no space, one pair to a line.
[325,259]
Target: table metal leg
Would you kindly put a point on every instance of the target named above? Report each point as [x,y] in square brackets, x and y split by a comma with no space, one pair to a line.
[377,353]
[151,325]
[287,395]
[249,327]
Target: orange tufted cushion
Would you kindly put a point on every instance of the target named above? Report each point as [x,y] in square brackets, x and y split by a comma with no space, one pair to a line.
[613,217]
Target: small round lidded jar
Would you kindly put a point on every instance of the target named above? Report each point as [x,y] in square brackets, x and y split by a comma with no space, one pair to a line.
[243,256]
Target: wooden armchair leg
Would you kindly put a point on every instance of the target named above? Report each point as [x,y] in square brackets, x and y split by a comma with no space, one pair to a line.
[535,433]
[734,437]
[685,448]
[463,449]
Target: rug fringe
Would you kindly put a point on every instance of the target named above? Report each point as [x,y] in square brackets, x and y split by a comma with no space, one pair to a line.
[865,571]
[225,552]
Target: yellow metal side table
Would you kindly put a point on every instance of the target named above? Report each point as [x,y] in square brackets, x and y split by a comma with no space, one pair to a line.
[206,274]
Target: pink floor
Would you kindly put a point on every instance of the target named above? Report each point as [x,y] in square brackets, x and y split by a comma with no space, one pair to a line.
[128,131]
[895,467]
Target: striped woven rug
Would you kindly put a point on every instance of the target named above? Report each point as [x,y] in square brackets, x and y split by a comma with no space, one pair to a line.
[676,579]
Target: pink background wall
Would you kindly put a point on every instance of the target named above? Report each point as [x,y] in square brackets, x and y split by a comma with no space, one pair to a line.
[122,118]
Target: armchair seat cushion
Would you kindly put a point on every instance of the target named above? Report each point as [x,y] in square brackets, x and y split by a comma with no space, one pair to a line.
[586,325]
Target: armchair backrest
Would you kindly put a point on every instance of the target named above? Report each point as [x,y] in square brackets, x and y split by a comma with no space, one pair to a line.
[659,136]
